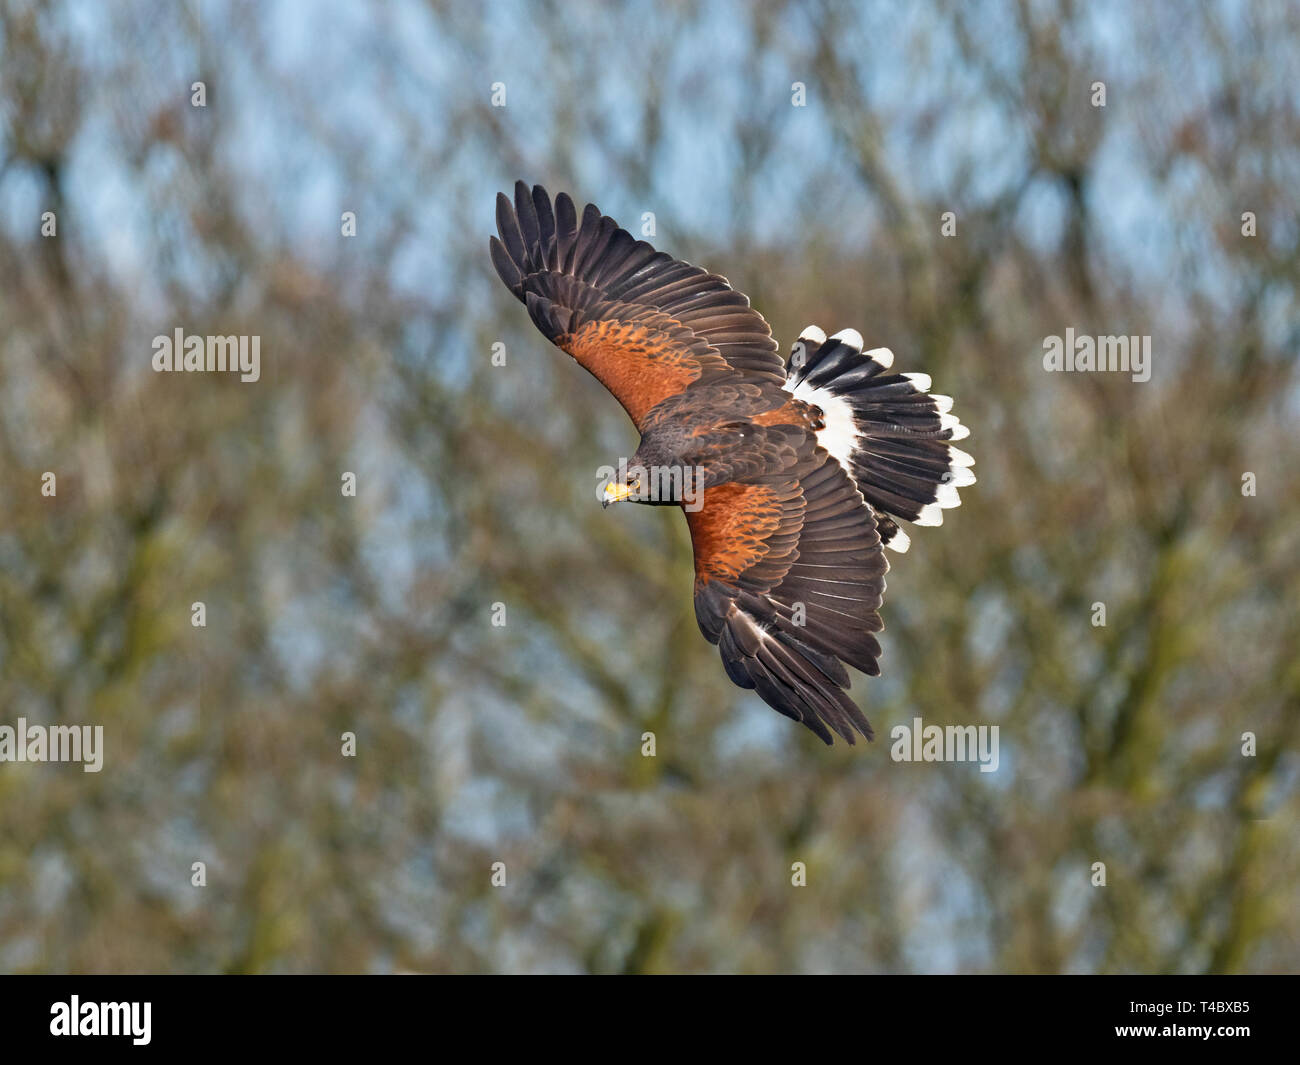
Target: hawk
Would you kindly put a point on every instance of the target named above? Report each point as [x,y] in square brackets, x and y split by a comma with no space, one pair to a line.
[794,473]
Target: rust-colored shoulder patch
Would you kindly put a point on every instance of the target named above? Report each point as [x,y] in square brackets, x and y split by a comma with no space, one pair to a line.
[639,363]
[733,529]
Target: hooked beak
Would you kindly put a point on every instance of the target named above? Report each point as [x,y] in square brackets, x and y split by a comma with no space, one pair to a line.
[615,493]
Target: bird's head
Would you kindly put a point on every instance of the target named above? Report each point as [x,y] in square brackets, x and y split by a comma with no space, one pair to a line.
[656,477]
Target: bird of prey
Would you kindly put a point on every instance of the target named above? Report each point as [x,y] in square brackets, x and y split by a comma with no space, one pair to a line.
[793,473]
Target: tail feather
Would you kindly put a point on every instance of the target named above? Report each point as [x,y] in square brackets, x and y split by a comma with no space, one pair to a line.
[888,430]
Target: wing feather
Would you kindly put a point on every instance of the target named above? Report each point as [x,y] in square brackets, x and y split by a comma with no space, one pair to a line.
[790,576]
[647,325]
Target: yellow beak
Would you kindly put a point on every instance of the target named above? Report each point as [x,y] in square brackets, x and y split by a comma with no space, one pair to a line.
[616,493]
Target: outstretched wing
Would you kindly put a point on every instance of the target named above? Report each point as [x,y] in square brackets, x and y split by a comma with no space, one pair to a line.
[645,324]
[789,578]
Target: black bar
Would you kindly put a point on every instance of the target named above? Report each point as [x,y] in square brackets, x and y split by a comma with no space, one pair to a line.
[339,1014]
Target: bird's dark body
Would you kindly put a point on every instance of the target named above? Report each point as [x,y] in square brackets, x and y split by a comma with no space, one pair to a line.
[725,430]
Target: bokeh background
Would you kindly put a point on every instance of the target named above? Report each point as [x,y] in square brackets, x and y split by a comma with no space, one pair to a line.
[521,744]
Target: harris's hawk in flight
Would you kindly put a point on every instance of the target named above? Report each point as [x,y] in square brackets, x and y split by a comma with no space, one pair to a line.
[793,473]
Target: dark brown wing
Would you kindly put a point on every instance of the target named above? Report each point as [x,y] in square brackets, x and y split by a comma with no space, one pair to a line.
[645,324]
[789,578]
